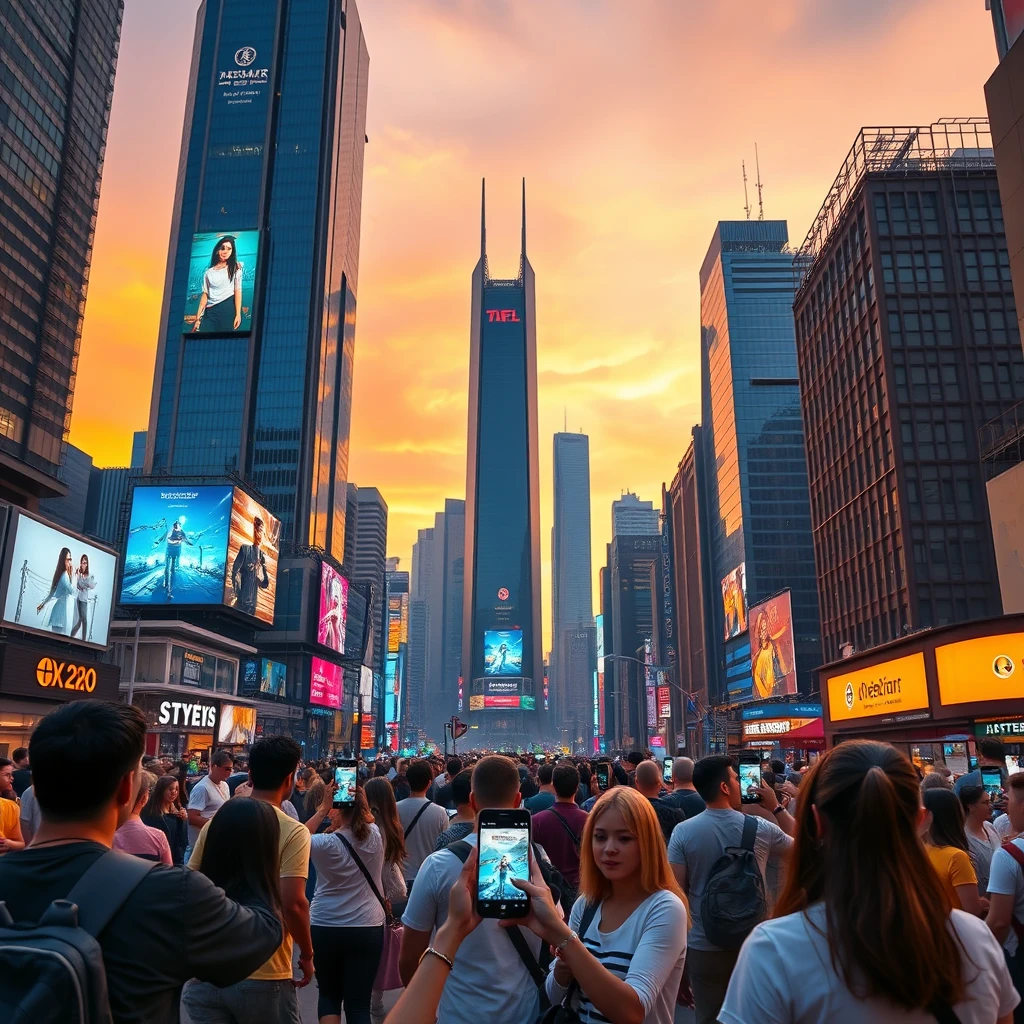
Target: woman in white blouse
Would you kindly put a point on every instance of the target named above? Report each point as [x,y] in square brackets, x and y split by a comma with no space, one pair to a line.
[220,305]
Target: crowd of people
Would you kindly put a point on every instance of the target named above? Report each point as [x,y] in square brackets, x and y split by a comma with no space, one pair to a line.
[850,889]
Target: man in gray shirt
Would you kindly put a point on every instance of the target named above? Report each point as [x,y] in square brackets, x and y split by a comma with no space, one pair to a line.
[696,845]
[422,821]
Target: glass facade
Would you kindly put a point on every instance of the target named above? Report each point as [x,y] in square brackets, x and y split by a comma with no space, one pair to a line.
[756,469]
[274,137]
[56,80]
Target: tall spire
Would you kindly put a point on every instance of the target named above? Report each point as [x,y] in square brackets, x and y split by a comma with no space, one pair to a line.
[523,249]
[483,218]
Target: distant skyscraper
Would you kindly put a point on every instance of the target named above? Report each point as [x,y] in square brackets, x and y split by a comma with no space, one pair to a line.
[139,449]
[572,603]
[367,564]
[910,357]
[108,495]
[634,517]
[69,510]
[264,257]
[758,507]
[501,640]
[56,82]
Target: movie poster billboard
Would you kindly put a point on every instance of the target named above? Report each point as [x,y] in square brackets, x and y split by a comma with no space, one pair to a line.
[772,653]
[236,725]
[333,608]
[503,652]
[273,678]
[325,681]
[55,583]
[734,601]
[394,623]
[250,582]
[221,280]
[177,544]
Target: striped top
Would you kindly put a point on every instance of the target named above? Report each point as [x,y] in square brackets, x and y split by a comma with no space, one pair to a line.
[646,951]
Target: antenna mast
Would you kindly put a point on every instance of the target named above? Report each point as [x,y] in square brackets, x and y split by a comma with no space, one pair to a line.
[760,202]
[746,199]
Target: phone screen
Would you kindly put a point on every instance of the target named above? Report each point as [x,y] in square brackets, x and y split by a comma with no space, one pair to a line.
[504,855]
[666,773]
[602,776]
[345,777]
[992,780]
[750,782]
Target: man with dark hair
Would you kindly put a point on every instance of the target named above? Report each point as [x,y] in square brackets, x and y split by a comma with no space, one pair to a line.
[249,571]
[86,764]
[465,820]
[629,763]
[441,789]
[489,982]
[559,829]
[545,797]
[684,795]
[422,820]
[22,777]
[10,822]
[272,764]
[647,780]
[208,794]
[694,848]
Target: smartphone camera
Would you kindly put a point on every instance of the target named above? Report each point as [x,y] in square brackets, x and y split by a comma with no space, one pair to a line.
[603,775]
[346,778]
[750,781]
[503,844]
[666,773]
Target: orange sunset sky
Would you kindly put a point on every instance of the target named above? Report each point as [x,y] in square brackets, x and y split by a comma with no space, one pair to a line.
[629,122]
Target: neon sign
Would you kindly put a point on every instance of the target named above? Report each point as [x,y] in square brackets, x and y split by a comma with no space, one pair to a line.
[502,316]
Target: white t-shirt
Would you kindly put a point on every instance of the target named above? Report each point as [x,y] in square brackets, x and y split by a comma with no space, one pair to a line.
[1002,826]
[218,286]
[419,843]
[206,797]
[646,952]
[343,898]
[785,975]
[1006,879]
[489,984]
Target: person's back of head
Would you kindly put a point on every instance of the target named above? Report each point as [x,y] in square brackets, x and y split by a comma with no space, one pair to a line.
[585,773]
[933,780]
[453,767]
[648,779]
[495,782]
[272,763]
[82,754]
[19,755]
[682,771]
[945,816]
[545,773]
[992,750]
[419,776]
[778,766]
[566,780]
[634,757]
[857,851]
[709,773]
[462,786]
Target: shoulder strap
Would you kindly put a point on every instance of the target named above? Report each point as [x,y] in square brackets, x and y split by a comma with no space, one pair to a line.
[572,835]
[1018,855]
[419,814]
[944,1013]
[526,955]
[589,911]
[461,849]
[366,874]
[102,890]
[749,833]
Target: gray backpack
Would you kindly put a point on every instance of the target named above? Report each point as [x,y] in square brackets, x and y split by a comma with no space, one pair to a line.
[734,901]
[52,971]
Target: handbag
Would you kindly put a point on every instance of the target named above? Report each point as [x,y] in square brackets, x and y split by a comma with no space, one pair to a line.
[564,1012]
[389,919]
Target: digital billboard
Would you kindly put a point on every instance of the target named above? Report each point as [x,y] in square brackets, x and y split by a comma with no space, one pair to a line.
[772,654]
[884,688]
[734,601]
[57,583]
[503,652]
[221,279]
[236,725]
[394,623]
[250,583]
[333,608]
[325,679]
[177,545]
[273,678]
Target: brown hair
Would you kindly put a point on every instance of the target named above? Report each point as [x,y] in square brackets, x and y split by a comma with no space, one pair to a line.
[642,822]
[381,799]
[358,817]
[867,864]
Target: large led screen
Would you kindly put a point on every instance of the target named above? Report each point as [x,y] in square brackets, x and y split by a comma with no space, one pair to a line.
[772,655]
[273,678]
[177,541]
[503,652]
[325,679]
[734,601]
[333,608]
[236,725]
[221,277]
[250,584]
[57,583]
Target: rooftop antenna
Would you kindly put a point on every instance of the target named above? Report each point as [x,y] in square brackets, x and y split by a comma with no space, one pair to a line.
[483,218]
[760,202]
[746,199]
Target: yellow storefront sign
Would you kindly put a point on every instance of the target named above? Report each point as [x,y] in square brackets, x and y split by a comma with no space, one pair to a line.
[886,688]
[986,668]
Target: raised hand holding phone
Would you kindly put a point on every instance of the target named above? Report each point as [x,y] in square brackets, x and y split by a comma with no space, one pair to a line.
[544,917]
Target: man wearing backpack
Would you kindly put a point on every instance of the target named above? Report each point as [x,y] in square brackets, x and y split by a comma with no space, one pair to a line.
[158,926]
[559,829]
[422,820]
[719,858]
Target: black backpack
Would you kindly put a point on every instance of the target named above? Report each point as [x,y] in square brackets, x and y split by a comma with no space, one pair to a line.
[52,972]
[733,901]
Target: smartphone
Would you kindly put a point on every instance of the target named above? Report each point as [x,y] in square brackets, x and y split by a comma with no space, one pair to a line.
[992,780]
[750,782]
[503,842]
[666,772]
[604,771]
[346,778]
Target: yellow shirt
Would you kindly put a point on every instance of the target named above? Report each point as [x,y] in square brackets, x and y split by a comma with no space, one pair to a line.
[294,864]
[954,868]
[9,812]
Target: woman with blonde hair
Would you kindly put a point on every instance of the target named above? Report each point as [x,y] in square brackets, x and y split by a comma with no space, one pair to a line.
[621,955]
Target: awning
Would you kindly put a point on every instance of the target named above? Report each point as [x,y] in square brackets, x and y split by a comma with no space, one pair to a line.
[811,734]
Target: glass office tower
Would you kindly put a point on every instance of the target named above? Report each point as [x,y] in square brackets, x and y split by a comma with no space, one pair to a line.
[57,65]
[254,365]
[501,637]
[759,513]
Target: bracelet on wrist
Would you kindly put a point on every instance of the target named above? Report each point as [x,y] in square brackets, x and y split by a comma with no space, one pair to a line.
[559,950]
[439,955]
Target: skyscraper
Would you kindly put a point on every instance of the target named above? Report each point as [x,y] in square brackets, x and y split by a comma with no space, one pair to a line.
[758,507]
[254,360]
[910,355]
[572,603]
[369,540]
[56,81]
[634,517]
[501,639]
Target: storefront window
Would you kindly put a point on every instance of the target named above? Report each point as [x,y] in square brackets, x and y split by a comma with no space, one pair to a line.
[193,668]
[225,676]
[150,666]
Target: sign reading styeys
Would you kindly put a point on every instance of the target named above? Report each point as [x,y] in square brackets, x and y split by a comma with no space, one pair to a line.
[983,669]
[885,688]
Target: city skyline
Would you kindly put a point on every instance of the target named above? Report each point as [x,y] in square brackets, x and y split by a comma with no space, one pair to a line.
[630,379]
